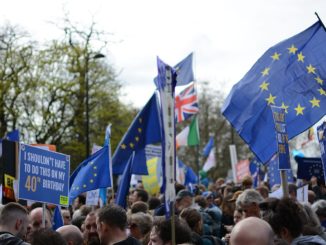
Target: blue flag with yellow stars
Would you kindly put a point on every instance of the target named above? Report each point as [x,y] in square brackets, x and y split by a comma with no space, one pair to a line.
[144,130]
[308,167]
[93,173]
[273,173]
[291,75]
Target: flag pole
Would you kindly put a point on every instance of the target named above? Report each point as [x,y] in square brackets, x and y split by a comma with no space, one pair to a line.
[198,165]
[320,21]
[284,180]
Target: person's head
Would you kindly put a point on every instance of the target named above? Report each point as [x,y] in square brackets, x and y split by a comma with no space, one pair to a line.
[78,222]
[71,234]
[248,202]
[237,216]
[263,190]
[78,202]
[209,197]
[36,219]
[251,231]
[161,232]
[319,208]
[140,224]
[183,200]
[111,223]
[311,196]
[90,229]
[311,223]
[46,237]
[246,182]
[139,206]
[153,203]
[201,201]
[193,219]
[293,191]
[138,195]
[285,218]
[14,219]
[66,216]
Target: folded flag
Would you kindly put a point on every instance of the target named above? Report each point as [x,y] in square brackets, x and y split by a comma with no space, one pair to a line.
[184,71]
[290,75]
[211,161]
[57,219]
[208,146]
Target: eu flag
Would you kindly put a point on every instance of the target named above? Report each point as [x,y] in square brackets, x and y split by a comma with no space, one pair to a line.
[184,71]
[290,75]
[308,167]
[273,172]
[93,173]
[208,147]
[144,130]
[124,184]
[57,219]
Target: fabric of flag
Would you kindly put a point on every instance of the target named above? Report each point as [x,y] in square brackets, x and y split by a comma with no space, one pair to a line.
[124,184]
[165,83]
[184,71]
[93,173]
[256,172]
[186,103]
[273,173]
[308,167]
[13,135]
[144,130]
[291,75]
[57,220]
[189,136]
[185,174]
[208,146]
[321,132]
[210,161]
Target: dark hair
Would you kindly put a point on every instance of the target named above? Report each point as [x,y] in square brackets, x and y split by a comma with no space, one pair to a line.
[11,211]
[201,201]
[113,215]
[164,231]
[47,237]
[285,213]
[78,221]
[191,216]
[153,203]
[139,206]
[142,194]
[81,199]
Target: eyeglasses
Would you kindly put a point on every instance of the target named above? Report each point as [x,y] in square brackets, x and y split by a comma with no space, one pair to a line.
[133,225]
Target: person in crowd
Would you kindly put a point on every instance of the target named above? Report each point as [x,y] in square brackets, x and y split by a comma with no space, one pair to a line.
[263,190]
[90,234]
[248,202]
[46,237]
[228,207]
[311,196]
[139,206]
[14,221]
[293,191]
[319,207]
[285,217]
[215,212]
[71,234]
[184,199]
[153,203]
[65,213]
[79,201]
[140,225]
[35,218]
[112,225]
[252,230]
[246,182]
[161,232]
[195,223]
[138,195]
[78,222]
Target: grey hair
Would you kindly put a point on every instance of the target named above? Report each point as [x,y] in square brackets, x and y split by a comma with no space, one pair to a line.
[143,221]
[319,207]
[249,196]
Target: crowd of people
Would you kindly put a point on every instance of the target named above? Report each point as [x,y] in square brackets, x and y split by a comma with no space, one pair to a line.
[222,213]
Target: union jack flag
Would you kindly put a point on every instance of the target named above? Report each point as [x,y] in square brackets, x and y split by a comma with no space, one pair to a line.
[186,104]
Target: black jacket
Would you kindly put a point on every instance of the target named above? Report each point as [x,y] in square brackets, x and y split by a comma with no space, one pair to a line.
[7,238]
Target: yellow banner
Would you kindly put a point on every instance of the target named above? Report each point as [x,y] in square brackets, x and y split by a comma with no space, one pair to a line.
[150,181]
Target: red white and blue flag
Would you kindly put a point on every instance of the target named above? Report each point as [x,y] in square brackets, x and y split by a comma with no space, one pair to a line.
[186,103]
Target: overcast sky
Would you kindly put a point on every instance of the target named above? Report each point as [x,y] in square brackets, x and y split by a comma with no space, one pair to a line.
[226,36]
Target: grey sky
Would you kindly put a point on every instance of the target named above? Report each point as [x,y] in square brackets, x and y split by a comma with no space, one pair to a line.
[227,36]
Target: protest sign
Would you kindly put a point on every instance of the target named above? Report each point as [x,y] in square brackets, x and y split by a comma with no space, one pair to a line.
[43,175]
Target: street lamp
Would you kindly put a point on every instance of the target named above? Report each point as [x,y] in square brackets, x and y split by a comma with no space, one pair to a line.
[96,56]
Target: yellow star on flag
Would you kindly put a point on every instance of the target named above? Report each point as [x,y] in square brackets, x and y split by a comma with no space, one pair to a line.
[140,120]
[319,80]
[95,174]
[91,181]
[314,102]
[299,109]
[285,107]
[131,145]
[265,72]
[322,91]
[137,138]
[264,86]
[123,146]
[140,130]
[270,99]
[276,56]
[95,167]
[311,69]
[292,49]
[84,186]
[301,57]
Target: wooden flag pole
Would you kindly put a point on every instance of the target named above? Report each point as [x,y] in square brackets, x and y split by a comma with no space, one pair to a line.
[284,180]
[43,215]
